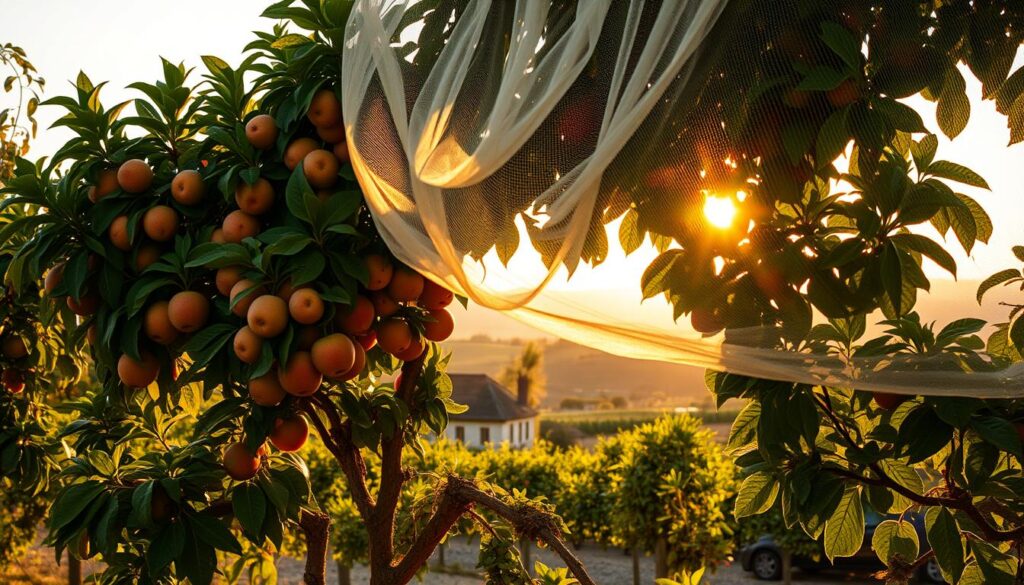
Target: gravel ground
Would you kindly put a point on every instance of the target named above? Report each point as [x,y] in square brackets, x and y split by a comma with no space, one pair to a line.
[607,567]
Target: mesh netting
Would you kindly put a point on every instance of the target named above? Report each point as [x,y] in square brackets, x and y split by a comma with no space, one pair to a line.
[563,161]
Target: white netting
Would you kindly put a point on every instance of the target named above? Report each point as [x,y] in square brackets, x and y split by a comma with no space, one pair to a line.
[501,145]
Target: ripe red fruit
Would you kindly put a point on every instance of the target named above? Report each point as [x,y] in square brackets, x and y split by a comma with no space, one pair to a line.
[241,307]
[157,324]
[406,285]
[261,131]
[106,183]
[118,233]
[13,381]
[367,340]
[300,377]
[412,352]
[266,390]
[240,463]
[227,278]
[138,374]
[889,401]
[394,336]
[305,306]
[380,270]
[290,434]
[239,225]
[188,188]
[334,355]
[355,318]
[248,345]
[84,306]
[54,277]
[357,367]
[441,327]
[434,296]
[135,176]
[188,311]
[383,304]
[14,347]
[320,168]
[255,199]
[268,316]
[325,109]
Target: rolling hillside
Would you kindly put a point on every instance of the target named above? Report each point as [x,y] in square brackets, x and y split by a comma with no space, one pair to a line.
[580,372]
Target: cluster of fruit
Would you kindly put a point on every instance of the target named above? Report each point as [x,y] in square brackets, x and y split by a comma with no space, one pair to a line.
[323,338]
[13,350]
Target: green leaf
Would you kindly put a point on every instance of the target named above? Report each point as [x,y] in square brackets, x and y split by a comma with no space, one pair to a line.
[832,138]
[215,533]
[895,540]
[744,428]
[844,530]
[822,78]
[995,280]
[843,43]
[756,495]
[250,507]
[928,247]
[166,546]
[955,172]
[997,567]
[655,277]
[924,150]
[944,538]
[72,502]
[997,431]
[954,108]
[630,236]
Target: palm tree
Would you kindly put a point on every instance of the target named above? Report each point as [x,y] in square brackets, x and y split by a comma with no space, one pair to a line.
[528,369]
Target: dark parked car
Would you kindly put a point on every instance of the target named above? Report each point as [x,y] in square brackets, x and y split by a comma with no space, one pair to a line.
[764,557]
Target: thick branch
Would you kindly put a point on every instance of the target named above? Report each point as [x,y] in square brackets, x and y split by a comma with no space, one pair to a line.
[531,522]
[346,454]
[391,476]
[317,528]
[447,511]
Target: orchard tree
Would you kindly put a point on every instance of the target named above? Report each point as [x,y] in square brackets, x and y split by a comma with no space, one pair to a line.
[810,82]
[207,244]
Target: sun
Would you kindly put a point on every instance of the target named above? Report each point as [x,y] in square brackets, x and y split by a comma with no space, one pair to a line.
[720,211]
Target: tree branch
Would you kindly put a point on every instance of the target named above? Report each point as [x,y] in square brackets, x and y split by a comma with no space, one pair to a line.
[317,528]
[448,508]
[345,453]
[382,542]
[531,522]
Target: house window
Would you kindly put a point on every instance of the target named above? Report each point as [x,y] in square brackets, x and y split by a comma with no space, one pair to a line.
[527,437]
[485,435]
[521,438]
[460,434]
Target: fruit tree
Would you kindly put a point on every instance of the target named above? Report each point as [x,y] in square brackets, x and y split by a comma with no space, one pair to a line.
[208,246]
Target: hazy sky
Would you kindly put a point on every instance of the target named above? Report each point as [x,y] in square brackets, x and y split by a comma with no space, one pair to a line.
[121,41]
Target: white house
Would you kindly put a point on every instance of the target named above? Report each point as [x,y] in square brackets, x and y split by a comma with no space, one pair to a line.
[495,416]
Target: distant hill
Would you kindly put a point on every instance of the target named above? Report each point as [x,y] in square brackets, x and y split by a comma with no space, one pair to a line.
[580,372]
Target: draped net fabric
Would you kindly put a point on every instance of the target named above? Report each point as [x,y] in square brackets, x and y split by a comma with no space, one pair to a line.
[494,141]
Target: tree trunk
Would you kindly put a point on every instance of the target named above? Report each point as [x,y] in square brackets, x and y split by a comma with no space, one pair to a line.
[524,552]
[636,565]
[74,570]
[661,559]
[344,574]
[787,567]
